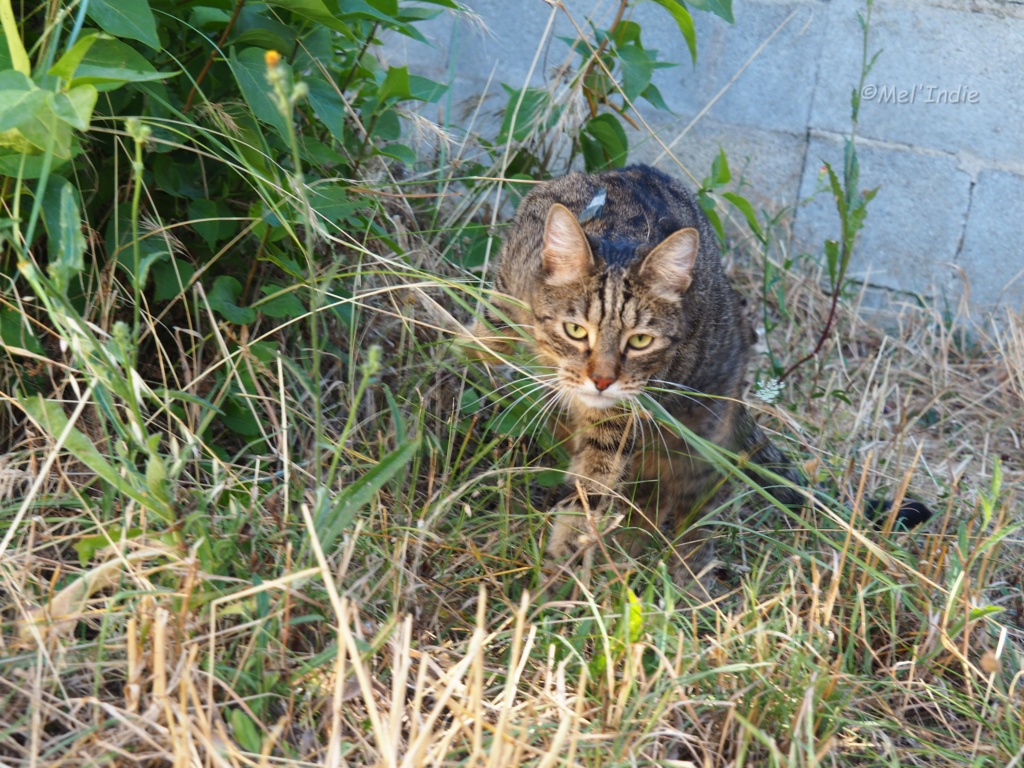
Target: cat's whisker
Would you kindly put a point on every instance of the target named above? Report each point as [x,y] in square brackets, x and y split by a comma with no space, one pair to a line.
[548,394]
[656,429]
[534,381]
[685,392]
[541,416]
[527,393]
[522,369]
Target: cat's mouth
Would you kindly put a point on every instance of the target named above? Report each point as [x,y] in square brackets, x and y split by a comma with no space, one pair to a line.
[597,400]
[600,399]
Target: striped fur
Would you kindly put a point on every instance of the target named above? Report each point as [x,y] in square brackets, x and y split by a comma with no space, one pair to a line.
[643,263]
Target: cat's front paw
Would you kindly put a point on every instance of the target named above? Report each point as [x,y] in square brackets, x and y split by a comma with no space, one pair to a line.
[569,532]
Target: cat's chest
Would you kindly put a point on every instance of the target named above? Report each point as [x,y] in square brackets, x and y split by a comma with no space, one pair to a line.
[665,450]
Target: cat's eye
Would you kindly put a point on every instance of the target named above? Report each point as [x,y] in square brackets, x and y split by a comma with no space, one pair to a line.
[575,331]
[639,341]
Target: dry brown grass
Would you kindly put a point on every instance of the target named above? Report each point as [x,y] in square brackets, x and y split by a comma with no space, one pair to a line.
[422,639]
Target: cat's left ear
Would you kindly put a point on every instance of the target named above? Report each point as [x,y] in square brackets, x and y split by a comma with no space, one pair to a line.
[669,267]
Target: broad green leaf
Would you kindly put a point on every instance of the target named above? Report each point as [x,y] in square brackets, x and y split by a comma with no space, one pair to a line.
[395,85]
[44,130]
[471,402]
[126,18]
[637,69]
[279,303]
[170,277]
[653,95]
[332,518]
[75,106]
[425,89]
[265,351]
[88,546]
[245,731]
[250,70]
[684,21]
[208,18]
[593,153]
[16,144]
[721,8]
[17,334]
[15,47]
[626,32]
[50,205]
[256,28]
[317,45]
[322,153]
[720,173]
[549,478]
[68,63]
[388,126]
[333,203]
[109,64]
[19,97]
[329,107]
[744,207]
[70,241]
[238,417]
[261,38]
[707,204]
[365,10]
[597,83]
[223,297]
[213,220]
[514,418]
[175,177]
[399,152]
[315,10]
[609,133]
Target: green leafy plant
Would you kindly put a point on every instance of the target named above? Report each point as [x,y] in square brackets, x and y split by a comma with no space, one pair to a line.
[720,176]
[850,200]
[616,70]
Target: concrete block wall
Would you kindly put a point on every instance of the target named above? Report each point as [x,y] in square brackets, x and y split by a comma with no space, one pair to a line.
[941,126]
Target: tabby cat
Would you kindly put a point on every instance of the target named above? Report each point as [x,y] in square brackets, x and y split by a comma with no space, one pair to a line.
[620,290]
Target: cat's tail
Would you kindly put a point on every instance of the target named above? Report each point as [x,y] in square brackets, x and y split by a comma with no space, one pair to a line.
[783,479]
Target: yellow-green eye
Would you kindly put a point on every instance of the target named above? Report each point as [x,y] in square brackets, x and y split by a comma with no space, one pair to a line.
[640,341]
[575,331]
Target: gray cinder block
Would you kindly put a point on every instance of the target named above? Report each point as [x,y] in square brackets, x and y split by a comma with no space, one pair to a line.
[914,225]
[992,256]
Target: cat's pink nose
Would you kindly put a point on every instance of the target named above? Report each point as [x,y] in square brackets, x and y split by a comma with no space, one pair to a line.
[601,383]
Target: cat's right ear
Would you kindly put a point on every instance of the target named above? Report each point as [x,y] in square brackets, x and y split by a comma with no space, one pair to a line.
[565,254]
[669,267]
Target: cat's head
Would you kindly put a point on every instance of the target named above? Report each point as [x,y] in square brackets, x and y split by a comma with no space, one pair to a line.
[609,325]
